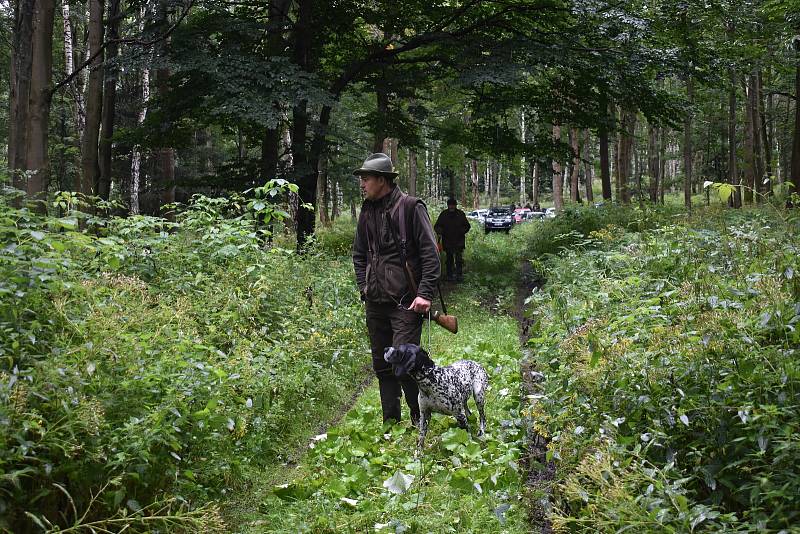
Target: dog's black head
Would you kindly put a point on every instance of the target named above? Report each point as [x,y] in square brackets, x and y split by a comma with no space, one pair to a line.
[407,358]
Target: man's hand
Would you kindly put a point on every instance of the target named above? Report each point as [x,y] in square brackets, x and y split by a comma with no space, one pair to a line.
[420,305]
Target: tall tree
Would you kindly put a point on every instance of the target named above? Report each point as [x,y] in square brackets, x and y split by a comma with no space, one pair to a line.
[109,104]
[558,179]
[20,81]
[688,153]
[90,168]
[36,159]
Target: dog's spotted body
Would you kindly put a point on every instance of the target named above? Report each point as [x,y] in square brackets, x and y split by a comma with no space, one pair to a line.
[441,389]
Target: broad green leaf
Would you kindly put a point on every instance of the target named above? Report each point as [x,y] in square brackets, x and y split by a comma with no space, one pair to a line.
[398,483]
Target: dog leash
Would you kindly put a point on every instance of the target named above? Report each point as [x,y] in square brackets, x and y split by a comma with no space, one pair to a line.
[429,329]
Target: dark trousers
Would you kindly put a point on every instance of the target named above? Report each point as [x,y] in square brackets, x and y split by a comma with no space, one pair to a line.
[455,256]
[390,326]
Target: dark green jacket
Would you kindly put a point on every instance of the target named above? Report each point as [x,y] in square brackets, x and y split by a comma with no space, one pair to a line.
[376,254]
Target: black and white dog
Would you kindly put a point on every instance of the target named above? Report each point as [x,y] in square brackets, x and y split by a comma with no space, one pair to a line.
[441,389]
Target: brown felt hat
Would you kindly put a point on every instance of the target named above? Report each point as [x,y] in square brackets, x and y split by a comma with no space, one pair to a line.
[378,163]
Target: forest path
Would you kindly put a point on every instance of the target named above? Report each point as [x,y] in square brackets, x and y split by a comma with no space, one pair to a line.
[361,476]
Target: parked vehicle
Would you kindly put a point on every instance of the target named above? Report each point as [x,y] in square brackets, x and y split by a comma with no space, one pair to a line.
[521,215]
[478,215]
[499,219]
[550,213]
[535,215]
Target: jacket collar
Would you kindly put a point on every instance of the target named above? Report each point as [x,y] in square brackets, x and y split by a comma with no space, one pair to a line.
[388,201]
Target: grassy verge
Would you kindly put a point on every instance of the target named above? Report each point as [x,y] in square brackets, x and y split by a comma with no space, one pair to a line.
[670,358]
[458,484]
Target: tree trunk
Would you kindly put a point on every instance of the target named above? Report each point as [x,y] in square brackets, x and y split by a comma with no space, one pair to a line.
[755,117]
[588,167]
[109,101]
[766,139]
[574,192]
[733,173]
[653,164]
[523,134]
[750,145]
[605,171]
[36,158]
[626,137]
[558,199]
[662,172]
[322,191]
[136,155]
[20,91]
[796,138]
[69,64]
[334,200]
[497,177]
[687,146]
[412,173]
[475,191]
[90,168]
[166,155]
[382,97]
[535,183]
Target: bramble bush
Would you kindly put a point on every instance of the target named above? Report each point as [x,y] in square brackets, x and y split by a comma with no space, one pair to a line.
[670,358]
[149,367]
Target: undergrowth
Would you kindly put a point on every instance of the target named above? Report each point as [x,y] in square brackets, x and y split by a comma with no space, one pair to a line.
[148,367]
[363,476]
[670,358]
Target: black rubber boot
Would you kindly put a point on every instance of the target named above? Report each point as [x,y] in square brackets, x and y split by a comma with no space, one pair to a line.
[411,392]
[390,398]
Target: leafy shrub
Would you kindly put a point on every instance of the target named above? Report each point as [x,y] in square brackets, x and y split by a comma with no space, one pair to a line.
[337,239]
[574,226]
[148,370]
[671,361]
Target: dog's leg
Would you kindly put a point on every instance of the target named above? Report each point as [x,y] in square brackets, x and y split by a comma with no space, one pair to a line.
[461,419]
[466,408]
[424,419]
[479,399]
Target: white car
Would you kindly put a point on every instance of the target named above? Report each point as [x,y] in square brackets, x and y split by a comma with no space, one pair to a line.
[478,215]
[550,213]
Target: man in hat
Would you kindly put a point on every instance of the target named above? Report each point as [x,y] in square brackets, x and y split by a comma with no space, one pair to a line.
[393,310]
[452,225]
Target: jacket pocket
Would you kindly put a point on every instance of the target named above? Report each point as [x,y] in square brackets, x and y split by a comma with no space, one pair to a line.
[395,280]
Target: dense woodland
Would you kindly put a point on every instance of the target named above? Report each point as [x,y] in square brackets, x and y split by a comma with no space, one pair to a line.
[145,104]
[182,347]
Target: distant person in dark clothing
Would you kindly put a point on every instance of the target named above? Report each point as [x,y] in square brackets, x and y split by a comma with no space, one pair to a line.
[536,207]
[453,226]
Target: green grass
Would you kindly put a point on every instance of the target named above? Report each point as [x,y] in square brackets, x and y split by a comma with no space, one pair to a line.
[459,484]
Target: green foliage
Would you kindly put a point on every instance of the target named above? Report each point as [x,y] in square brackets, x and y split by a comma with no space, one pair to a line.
[574,227]
[670,358]
[337,239]
[361,475]
[159,361]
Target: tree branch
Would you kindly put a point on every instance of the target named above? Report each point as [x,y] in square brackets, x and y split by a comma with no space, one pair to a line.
[140,42]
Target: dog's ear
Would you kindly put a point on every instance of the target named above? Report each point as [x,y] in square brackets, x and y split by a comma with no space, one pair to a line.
[407,360]
[424,359]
